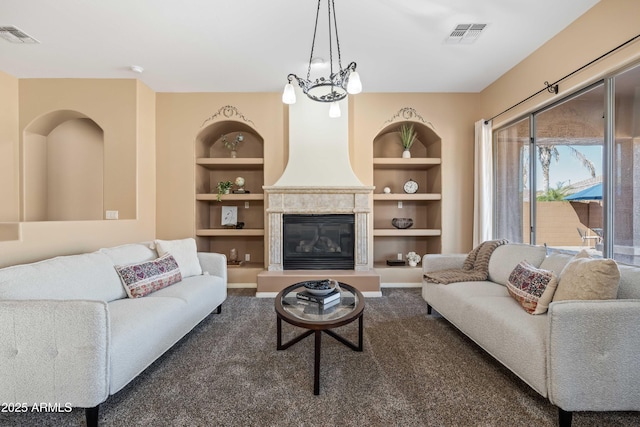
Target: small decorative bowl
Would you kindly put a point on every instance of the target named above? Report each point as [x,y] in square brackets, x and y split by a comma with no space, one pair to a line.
[320,287]
[402,223]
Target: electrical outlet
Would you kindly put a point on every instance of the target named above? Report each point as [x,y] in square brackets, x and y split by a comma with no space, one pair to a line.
[246,205]
[111,215]
[399,257]
[247,257]
[399,204]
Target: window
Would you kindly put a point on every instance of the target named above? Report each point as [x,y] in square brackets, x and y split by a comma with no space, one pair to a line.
[553,185]
[625,174]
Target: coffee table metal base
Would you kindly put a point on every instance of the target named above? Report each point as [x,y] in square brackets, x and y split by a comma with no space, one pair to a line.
[318,346]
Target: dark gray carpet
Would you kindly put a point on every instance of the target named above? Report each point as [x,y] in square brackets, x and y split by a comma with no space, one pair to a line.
[415,370]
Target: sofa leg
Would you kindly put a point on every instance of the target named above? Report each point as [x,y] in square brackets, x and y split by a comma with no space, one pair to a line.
[428,309]
[91,414]
[219,309]
[564,418]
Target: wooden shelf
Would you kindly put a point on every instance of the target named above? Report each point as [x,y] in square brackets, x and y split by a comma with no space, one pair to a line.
[238,163]
[229,197]
[405,196]
[230,232]
[409,232]
[400,163]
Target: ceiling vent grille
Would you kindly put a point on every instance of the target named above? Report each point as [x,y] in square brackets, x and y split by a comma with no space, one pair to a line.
[465,33]
[15,35]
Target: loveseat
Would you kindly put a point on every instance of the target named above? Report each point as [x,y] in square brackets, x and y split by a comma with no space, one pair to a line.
[71,335]
[580,354]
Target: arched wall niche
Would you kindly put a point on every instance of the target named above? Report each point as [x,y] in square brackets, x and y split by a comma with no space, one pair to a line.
[387,141]
[209,140]
[63,168]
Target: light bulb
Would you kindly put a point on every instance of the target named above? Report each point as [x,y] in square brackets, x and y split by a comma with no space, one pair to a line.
[354,85]
[289,94]
[334,110]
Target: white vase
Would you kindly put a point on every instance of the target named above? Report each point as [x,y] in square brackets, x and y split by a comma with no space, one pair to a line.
[406,154]
[413,264]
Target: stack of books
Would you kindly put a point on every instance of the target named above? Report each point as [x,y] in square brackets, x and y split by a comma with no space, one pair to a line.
[325,301]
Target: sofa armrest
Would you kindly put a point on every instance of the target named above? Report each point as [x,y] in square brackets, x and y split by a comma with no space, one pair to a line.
[54,352]
[213,263]
[435,262]
[592,355]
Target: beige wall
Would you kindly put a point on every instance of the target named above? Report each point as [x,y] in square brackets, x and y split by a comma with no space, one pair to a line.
[180,117]
[602,28]
[452,117]
[9,187]
[125,110]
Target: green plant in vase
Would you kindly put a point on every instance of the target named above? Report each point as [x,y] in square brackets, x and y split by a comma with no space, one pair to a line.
[223,188]
[408,136]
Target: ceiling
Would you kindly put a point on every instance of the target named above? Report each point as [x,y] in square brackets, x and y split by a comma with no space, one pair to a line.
[251,45]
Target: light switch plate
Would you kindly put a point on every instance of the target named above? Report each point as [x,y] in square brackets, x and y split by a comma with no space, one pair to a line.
[111,215]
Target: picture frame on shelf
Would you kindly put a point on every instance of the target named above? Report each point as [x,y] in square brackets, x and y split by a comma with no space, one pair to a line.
[229,216]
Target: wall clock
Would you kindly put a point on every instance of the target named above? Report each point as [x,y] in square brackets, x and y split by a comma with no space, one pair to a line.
[410,186]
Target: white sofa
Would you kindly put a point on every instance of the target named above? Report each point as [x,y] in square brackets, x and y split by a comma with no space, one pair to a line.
[69,335]
[581,355]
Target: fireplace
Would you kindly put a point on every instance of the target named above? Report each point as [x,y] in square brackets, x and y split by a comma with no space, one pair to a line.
[318,242]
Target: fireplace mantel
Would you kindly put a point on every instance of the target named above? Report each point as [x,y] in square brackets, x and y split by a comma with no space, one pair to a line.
[318,200]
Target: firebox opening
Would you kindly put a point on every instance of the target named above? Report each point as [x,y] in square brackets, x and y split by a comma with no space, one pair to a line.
[318,242]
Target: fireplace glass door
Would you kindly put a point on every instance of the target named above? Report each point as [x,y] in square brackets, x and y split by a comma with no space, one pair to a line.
[318,242]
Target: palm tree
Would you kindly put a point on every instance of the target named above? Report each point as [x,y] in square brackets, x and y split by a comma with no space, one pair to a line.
[547,152]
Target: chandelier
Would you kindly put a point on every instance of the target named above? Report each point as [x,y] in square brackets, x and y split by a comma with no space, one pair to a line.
[338,84]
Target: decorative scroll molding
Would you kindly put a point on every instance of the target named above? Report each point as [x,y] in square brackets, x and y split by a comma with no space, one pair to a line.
[227,112]
[408,113]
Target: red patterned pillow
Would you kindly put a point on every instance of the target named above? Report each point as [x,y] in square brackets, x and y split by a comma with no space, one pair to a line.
[532,287]
[149,276]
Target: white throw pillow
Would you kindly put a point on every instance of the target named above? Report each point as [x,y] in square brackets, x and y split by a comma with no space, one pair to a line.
[185,252]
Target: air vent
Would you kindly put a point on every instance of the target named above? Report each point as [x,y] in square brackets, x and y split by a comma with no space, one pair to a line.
[15,35]
[465,33]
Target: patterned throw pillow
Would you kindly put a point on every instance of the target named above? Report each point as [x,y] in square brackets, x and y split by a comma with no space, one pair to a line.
[142,278]
[532,287]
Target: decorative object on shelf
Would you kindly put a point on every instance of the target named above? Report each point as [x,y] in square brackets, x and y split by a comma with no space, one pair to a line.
[410,187]
[386,190]
[407,138]
[223,187]
[396,262]
[240,184]
[233,256]
[413,259]
[229,216]
[233,145]
[402,223]
[326,89]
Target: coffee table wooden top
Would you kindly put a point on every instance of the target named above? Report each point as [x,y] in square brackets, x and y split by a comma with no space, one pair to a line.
[311,315]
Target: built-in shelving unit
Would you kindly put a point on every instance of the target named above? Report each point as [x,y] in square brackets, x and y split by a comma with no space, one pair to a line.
[424,206]
[214,163]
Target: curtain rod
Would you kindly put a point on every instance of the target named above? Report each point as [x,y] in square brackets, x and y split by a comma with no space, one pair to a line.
[553,87]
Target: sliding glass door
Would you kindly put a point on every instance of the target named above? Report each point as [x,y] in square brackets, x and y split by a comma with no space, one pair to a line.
[625,176]
[568,148]
[568,175]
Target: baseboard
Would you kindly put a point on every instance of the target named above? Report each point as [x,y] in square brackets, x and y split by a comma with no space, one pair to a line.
[401,285]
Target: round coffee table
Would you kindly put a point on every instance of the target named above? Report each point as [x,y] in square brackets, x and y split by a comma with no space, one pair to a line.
[315,318]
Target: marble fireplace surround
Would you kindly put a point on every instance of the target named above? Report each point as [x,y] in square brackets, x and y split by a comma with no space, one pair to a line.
[318,200]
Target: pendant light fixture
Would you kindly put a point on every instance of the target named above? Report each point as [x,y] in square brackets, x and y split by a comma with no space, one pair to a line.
[338,84]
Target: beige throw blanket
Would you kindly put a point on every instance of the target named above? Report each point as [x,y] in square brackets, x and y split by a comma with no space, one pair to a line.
[475,267]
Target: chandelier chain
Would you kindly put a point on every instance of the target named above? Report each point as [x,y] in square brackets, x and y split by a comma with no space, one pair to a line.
[313,42]
[329,2]
[335,25]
